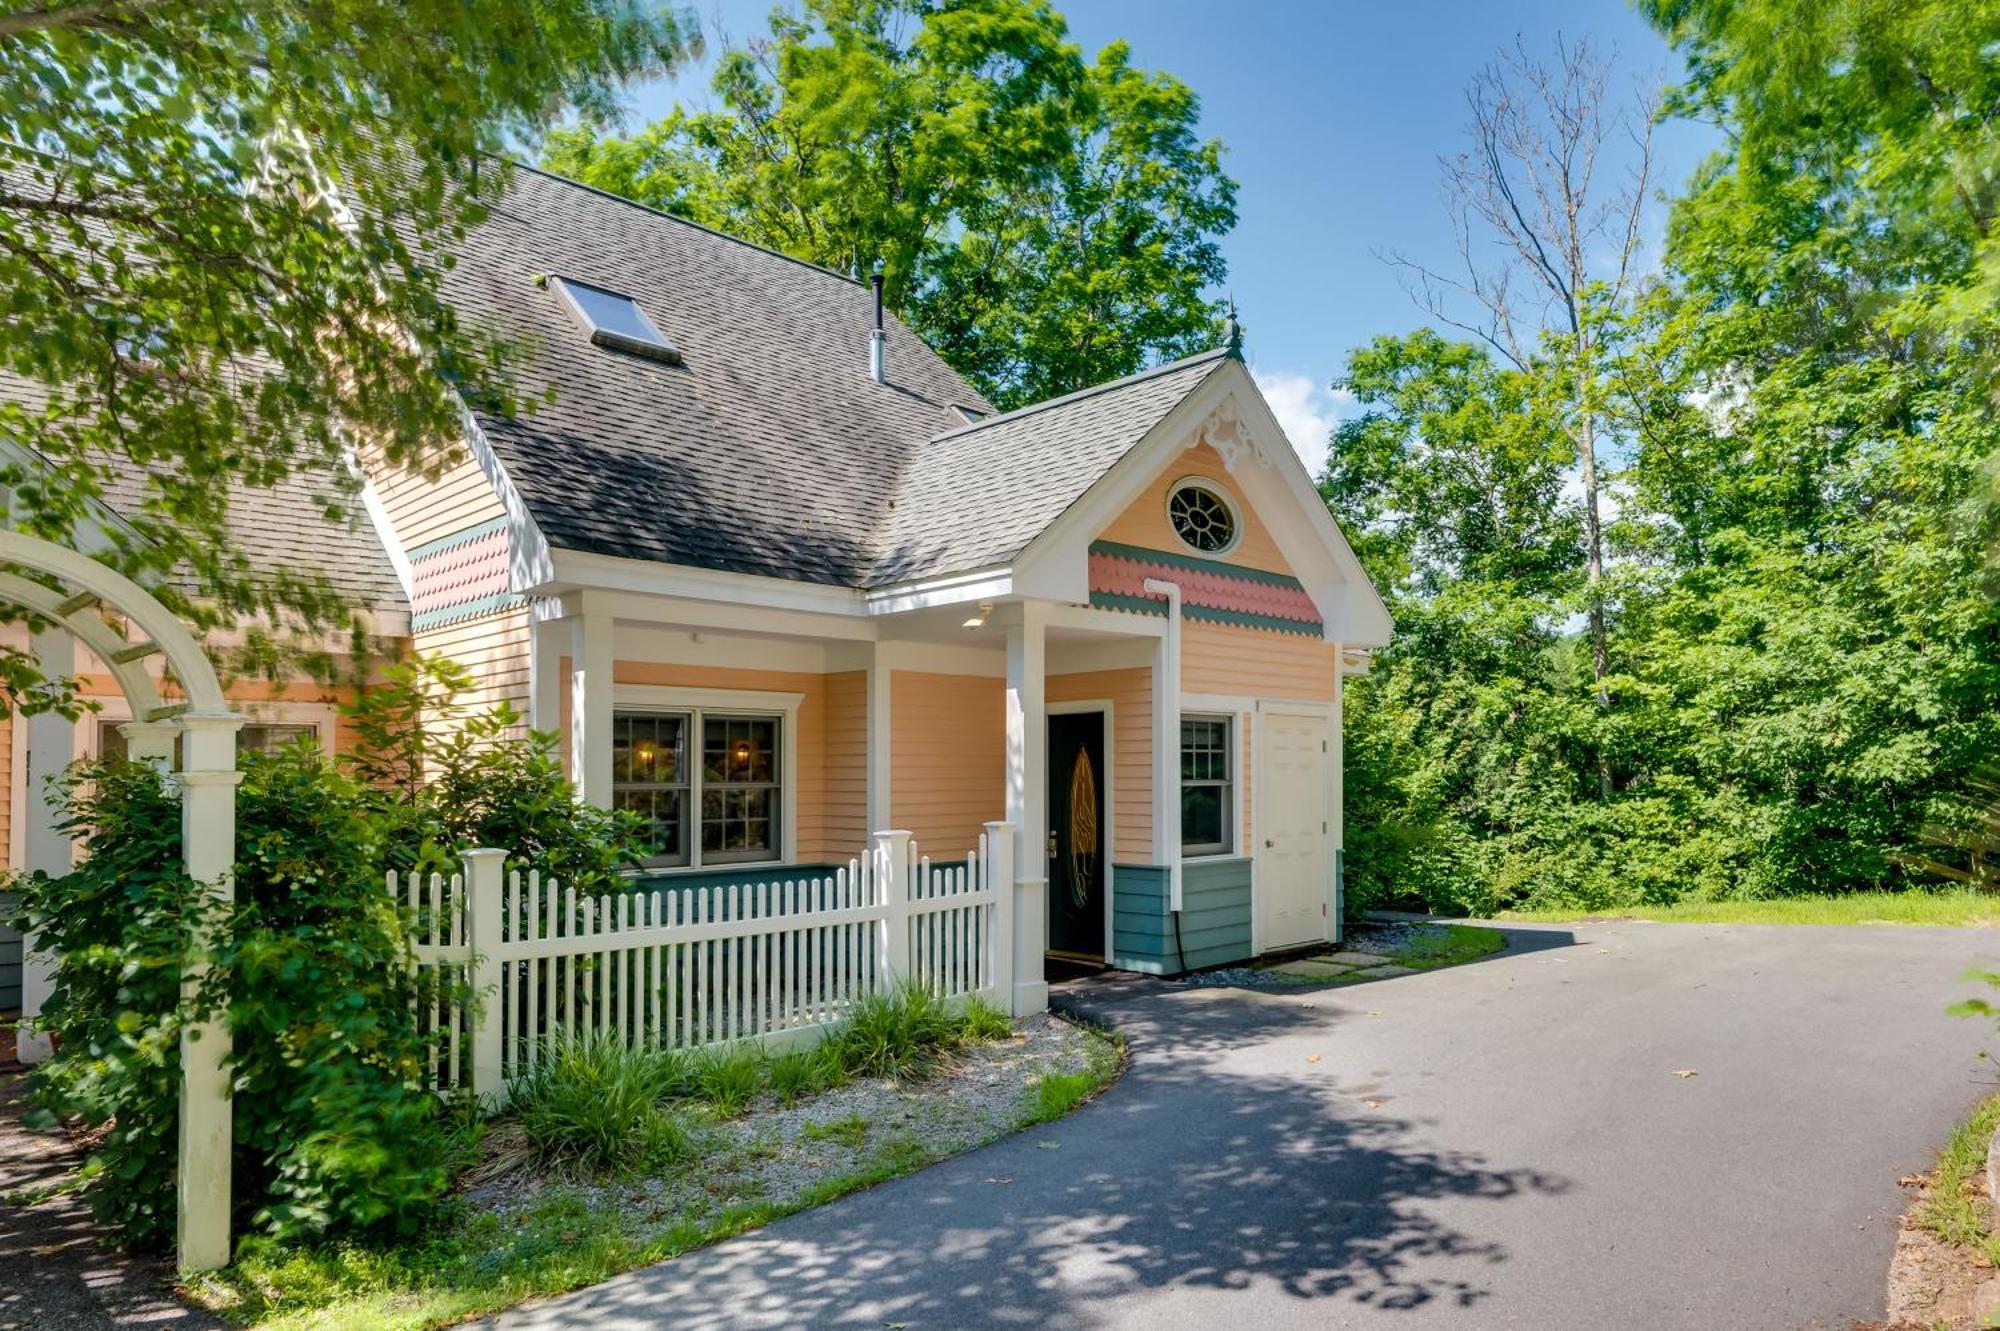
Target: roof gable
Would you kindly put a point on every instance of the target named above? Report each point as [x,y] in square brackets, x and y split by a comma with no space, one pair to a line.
[975,497]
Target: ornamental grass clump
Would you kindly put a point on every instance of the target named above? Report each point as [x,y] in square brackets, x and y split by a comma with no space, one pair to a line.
[906,1034]
[593,1104]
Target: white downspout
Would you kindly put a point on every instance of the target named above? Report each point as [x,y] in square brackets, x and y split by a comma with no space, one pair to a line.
[1167,737]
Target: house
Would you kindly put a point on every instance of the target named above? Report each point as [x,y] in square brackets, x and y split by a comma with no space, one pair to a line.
[779,578]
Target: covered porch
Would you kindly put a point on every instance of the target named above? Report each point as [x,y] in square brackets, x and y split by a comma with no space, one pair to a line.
[763,743]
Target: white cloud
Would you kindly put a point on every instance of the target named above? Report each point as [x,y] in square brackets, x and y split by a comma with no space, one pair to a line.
[1307,409]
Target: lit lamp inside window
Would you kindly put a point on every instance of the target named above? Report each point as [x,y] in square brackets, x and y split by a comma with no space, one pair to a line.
[646,750]
[742,753]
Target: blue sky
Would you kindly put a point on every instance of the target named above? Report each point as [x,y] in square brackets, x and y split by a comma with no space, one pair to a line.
[1334,115]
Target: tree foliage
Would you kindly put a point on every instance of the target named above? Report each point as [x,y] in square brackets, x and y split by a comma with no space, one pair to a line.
[1046,222]
[1803,636]
[223,228]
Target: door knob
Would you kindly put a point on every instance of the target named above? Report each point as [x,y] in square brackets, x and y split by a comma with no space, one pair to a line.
[1269,844]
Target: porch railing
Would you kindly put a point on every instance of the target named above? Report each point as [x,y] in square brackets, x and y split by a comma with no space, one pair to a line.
[775,962]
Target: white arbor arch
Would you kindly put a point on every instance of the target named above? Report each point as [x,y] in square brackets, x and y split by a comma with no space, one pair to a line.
[207,780]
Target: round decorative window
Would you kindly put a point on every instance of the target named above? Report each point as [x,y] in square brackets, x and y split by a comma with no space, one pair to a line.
[1202,518]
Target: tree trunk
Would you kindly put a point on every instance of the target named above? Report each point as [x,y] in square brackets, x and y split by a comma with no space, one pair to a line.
[1593,564]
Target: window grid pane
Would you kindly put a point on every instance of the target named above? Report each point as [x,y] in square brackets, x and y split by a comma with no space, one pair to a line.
[649,776]
[739,788]
[1205,785]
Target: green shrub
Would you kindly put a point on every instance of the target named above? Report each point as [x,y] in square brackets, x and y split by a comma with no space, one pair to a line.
[728,1078]
[591,1102]
[477,779]
[908,1034]
[331,1129]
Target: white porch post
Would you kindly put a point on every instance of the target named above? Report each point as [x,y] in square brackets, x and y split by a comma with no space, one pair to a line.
[1167,741]
[590,708]
[51,746]
[1027,803]
[208,781]
[880,739]
[547,639]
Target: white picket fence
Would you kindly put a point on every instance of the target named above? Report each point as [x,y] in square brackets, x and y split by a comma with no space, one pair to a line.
[777,962]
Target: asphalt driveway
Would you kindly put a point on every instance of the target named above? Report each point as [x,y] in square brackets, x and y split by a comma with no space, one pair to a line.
[1507,1144]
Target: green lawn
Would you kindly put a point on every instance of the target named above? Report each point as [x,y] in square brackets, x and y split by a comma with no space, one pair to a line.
[1949,908]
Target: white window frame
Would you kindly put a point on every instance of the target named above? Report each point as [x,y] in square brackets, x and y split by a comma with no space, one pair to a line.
[695,703]
[1228,501]
[324,718]
[1232,788]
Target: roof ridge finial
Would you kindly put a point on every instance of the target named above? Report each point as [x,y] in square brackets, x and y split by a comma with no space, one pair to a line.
[1233,331]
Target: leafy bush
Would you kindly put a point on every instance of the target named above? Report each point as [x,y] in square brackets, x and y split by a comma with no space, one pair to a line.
[446,779]
[908,1034]
[331,1130]
[593,1102]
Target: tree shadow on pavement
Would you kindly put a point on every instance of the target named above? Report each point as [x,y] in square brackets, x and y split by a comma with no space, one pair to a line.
[1226,1159]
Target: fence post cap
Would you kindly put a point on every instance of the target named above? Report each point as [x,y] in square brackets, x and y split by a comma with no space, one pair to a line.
[485,853]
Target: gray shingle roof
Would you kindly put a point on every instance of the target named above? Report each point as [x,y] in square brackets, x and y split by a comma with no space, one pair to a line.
[976,496]
[281,527]
[769,450]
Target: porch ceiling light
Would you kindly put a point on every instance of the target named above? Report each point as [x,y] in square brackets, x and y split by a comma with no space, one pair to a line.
[978,621]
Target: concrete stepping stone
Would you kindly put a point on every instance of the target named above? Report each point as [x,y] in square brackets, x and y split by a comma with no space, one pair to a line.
[1382,972]
[1313,968]
[1354,959]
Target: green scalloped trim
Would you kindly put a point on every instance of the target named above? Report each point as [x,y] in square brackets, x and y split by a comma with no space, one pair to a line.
[444,543]
[1145,556]
[449,614]
[1242,619]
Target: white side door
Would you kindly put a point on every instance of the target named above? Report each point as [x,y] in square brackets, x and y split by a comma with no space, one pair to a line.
[1294,868]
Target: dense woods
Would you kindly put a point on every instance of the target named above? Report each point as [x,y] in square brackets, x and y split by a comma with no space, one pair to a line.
[1794,415]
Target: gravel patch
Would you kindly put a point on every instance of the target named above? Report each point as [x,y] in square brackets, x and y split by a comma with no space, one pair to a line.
[777,1155]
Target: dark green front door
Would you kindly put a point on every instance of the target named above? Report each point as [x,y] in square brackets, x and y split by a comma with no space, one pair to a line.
[1078,835]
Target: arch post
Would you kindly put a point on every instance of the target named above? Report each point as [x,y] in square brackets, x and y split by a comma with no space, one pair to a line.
[208,781]
[80,586]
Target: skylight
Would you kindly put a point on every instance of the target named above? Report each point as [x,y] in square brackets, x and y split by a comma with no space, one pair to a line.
[615,321]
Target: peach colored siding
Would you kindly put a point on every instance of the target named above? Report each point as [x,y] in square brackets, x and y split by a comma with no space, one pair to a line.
[947,757]
[846,819]
[423,510]
[1131,756]
[1253,663]
[1145,523]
